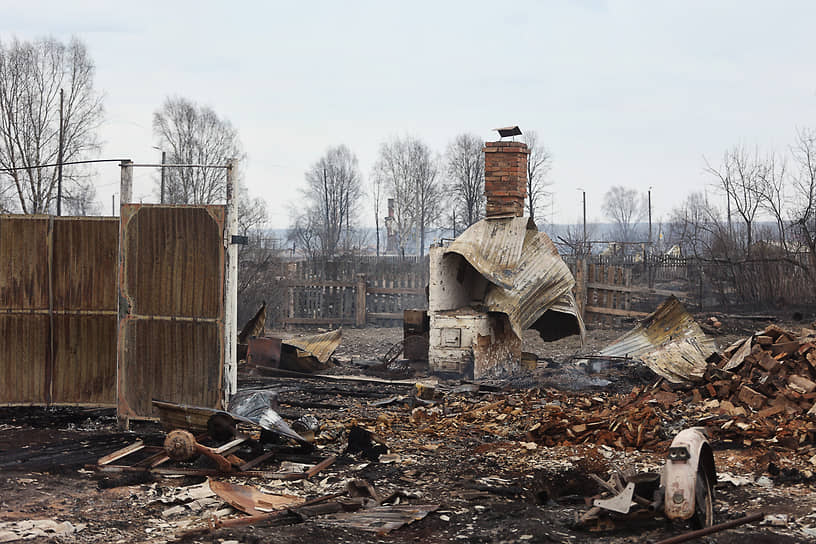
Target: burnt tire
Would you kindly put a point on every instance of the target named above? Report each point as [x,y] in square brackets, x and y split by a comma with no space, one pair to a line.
[703,502]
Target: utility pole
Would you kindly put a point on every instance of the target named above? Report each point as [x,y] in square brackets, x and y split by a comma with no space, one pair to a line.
[583,246]
[59,159]
[161,196]
[650,218]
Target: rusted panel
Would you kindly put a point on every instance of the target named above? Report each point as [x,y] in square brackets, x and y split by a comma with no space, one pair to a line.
[85,359]
[172,316]
[176,361]
[320,345]
[669,341]
[58,290]
[24,262]
[174,264]
[85,263]
[23,354]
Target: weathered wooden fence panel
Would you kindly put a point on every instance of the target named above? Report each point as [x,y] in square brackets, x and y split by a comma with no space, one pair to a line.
[354,291]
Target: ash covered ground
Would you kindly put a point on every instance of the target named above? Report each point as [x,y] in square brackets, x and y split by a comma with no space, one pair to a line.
[474,453]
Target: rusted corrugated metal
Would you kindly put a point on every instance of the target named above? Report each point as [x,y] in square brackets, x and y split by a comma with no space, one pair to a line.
[171,329]
[58,297]
[25,349]
[85,261]
[669,341]
[321,346]
[530,283]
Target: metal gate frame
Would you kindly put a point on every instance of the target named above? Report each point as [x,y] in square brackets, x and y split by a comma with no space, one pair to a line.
[171,307]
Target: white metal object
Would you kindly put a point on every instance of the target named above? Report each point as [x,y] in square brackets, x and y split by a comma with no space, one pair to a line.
[231,285]
[688,476]
[621,503]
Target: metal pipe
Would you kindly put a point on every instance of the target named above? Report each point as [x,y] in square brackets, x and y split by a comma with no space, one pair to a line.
[224,166]
[713,529]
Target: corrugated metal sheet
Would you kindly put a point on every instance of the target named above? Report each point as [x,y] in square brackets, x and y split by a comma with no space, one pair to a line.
[669,341]
[320,345]
[530,283]
[24,352]
[58,294]
[171,332]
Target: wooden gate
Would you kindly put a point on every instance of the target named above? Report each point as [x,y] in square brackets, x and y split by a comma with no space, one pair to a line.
[171,322]
[58,310]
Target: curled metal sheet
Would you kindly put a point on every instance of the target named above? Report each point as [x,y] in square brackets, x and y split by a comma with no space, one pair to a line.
[321,346]
[669,341]
[529,282]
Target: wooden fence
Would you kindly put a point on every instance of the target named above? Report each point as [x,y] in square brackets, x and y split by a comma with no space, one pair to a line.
[377,293]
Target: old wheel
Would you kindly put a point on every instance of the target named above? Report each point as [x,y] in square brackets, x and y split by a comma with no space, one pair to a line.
[703,502]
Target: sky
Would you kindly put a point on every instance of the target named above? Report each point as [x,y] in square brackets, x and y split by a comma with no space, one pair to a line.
[637,94]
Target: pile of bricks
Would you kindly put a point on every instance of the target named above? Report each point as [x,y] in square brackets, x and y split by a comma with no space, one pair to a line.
[505,178]
[772,372]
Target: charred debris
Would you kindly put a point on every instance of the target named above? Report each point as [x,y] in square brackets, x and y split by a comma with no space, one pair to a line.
[454,432]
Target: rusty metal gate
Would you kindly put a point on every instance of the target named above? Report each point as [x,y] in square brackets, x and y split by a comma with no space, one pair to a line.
[58,310]
[171,318]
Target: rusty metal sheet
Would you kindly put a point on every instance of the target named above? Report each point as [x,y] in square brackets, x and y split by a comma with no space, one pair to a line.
[669,341]
[24,352]
[171,326]
[58,289]
[321,346]
[529,282]
[251,501]
[264,351]
[85,264]
[84,359]
[24,266]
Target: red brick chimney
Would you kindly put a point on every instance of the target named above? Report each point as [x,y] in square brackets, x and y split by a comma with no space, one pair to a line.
[505,166]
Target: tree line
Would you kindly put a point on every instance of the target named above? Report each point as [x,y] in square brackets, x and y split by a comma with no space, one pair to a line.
[426,189]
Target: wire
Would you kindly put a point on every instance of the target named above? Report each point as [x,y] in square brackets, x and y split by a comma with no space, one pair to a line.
[57,164]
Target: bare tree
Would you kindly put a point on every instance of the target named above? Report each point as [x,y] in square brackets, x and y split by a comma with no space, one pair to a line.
[31,77]
[625,209]
[80,199]
[771,194]
[803,203]
[538,166]
[410,173]
[696,227]
[464,165]
[194,134]
[739,177]
[333,188]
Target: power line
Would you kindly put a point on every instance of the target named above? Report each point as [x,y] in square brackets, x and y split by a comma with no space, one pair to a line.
[58,164]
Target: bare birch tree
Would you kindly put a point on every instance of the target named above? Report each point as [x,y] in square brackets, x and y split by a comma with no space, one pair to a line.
[411,174]
[625,209]
[538,166]
[194,134]
[739,177]
[333,190]
[31,76]
[803,203]
[464,166]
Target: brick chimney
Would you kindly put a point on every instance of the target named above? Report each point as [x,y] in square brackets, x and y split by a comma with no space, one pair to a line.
[505,166]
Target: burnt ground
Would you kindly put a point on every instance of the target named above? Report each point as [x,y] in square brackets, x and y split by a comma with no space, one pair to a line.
[476,463]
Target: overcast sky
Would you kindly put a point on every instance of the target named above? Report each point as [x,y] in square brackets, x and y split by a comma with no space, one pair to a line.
[621,93]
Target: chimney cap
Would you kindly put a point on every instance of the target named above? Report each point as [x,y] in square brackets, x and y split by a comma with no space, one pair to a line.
[508,131]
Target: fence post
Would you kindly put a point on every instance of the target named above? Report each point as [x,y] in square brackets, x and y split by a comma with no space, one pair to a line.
[360,320]
[580,285]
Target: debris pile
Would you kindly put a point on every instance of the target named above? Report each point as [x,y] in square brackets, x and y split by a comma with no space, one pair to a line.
[765,384]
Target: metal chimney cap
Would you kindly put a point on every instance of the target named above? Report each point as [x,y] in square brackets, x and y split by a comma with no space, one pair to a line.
[504,132]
